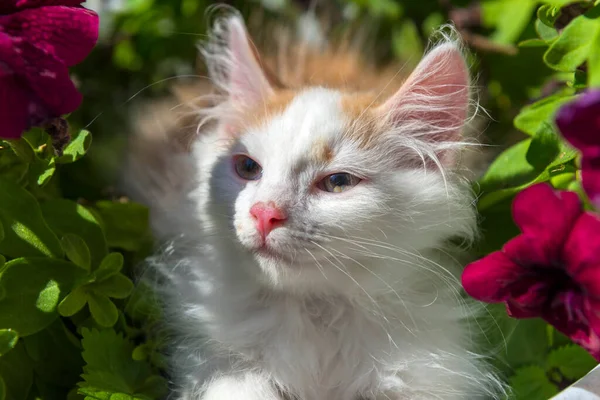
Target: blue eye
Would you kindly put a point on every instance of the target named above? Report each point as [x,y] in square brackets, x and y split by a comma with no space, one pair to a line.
[247,168]
[337,183]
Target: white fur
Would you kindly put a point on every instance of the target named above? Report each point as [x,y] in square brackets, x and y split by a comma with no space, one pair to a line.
[363,301]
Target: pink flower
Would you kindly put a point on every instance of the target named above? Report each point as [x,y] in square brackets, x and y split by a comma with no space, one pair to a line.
[551,270]
[39,40]
[579,122]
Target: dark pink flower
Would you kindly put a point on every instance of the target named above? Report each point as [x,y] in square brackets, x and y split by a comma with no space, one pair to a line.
[579,122]
[551,270]
[39,40]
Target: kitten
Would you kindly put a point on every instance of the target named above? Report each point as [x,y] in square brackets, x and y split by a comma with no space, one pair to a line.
[307,228]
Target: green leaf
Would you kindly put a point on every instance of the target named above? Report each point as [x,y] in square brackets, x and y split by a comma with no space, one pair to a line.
[509,169]
[527,343]
[432,23]
[110,265]
[109,365]
[125,224]
[77,147]
[2,260]
[23,149]
[28,234]
[74,302]
[406,42]
[509,17]
[30,290]
[76,250]
[573,46]
[41,171]
[545,33]
[117,286]
[572,361]
[594,62]
[92,393]
[55,355]
[1,232]
[17,373]
[544,147]
[103,310]
[531,383]
[532,43]
[532,117]
[8,340]
[143,306]
[67,217]
[548,14]
[12,167]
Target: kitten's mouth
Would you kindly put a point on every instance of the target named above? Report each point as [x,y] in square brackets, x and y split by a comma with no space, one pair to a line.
[266,251]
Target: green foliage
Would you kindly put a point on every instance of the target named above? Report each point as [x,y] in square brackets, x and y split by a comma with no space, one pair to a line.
[538,360]
[57,257]
[72,324]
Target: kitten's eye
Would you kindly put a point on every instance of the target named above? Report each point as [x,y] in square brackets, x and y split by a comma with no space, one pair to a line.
[247,168]
[337,183]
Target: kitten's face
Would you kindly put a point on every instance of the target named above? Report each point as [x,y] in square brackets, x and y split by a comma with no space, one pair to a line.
[322,187]
[315,205]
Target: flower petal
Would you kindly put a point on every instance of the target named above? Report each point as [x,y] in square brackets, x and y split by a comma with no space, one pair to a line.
[546,213]
[68,33]
[590,179]
[518,311]
[529,251]
[579,122]
[10,6]
[13,107]
[489,279]
[47,77]
[566,313]
[582,249]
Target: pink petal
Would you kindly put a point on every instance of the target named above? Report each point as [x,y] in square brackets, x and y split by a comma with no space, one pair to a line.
[518,311]
[579,122]
[489,278]
[566,313]
[10,6]
[47,77]
[13,107]
[590,179]
[592,312]
[530,251]
[67,33]
[546,214]
[582,249]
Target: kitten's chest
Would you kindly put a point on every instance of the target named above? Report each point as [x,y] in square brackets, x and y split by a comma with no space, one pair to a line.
[329,350]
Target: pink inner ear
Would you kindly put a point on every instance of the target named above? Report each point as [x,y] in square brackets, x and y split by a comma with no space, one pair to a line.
[436,94]
[247,81]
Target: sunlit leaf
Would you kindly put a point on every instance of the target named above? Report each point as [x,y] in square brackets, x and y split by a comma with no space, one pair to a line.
[31,290]
[26,233]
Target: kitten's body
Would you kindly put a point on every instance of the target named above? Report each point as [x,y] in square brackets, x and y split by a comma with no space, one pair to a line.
[353,296]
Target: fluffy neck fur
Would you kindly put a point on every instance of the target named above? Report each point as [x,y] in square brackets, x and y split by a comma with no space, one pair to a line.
[358,296]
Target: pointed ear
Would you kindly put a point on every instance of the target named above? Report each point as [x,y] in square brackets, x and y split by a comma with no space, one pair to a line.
[247,81]
[433,104]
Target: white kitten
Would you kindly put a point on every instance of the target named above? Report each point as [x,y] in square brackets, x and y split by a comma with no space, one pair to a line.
[307,259]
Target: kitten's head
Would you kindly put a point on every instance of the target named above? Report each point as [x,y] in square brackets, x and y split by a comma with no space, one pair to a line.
[322,186]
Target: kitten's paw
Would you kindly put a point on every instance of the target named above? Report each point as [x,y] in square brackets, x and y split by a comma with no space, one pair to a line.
[241,387]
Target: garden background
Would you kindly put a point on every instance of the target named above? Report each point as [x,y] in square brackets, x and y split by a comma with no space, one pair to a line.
[71,323]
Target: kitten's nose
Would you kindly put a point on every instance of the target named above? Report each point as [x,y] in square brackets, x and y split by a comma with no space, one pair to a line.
[268,217]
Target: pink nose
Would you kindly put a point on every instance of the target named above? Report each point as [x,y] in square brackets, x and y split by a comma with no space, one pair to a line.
[267,216]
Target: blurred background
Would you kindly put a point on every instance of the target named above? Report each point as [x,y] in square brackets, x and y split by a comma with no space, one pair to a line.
[146,45]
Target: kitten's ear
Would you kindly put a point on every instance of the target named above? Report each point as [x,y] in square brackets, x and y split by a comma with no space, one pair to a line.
[433,103]
[248,83]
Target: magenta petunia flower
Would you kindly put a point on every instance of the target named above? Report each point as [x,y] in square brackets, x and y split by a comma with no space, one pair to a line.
[39,40]
[551,270]
[579,122]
